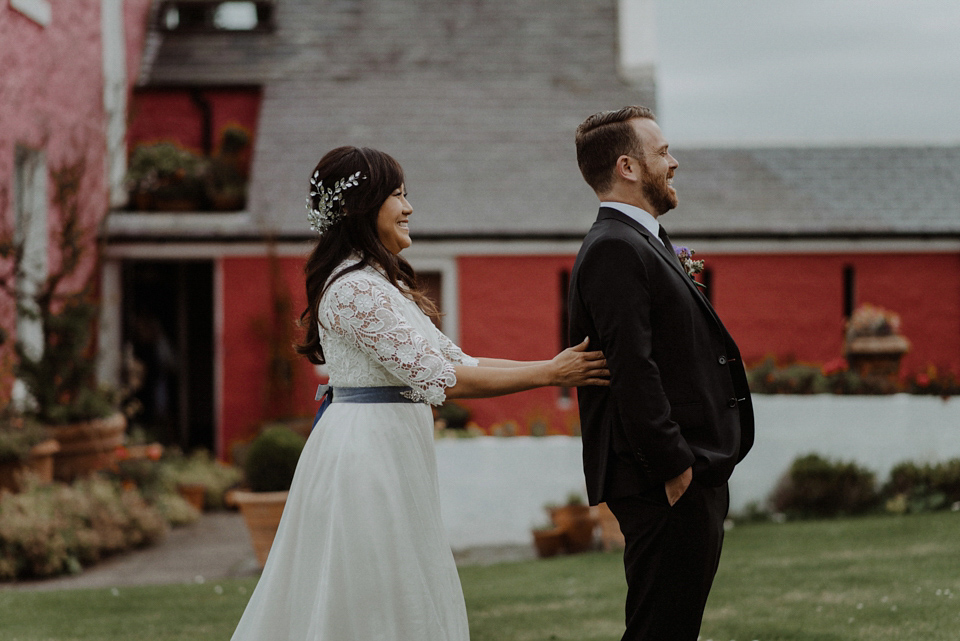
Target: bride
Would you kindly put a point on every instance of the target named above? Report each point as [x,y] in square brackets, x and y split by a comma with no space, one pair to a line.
[361,553]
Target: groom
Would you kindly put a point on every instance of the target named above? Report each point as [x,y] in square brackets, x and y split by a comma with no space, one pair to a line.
[660,443]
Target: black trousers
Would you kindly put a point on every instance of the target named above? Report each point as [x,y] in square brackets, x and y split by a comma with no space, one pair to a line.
[670,559]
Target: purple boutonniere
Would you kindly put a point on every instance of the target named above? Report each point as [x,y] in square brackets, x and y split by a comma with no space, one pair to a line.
[691,266]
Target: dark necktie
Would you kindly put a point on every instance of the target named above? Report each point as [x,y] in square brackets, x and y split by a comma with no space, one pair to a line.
[666,241]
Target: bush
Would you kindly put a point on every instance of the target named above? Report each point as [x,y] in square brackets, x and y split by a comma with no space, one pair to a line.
[272,459]
[921,488]
[815,487]
[57,529]
[18,435]
[798,378]
[200,468]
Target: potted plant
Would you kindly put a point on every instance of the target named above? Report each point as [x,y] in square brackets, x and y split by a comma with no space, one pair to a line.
[25,448]
[873,345]
[59,371]
[268,467]
[166,177]
[548,540]
[574,522]
[201,479]
[225,179]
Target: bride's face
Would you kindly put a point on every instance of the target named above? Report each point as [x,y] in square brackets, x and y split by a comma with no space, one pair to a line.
[392,221]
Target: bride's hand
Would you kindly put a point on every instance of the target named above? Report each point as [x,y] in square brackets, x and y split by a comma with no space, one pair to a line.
[575,366]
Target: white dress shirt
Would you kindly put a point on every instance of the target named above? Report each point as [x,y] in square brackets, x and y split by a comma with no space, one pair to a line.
[640,215]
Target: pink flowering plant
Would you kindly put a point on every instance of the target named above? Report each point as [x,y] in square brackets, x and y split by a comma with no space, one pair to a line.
[871,320]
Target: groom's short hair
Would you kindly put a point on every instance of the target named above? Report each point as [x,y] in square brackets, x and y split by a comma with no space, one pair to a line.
[604,137]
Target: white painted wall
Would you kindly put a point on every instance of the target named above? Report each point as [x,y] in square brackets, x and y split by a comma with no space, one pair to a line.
[493,489]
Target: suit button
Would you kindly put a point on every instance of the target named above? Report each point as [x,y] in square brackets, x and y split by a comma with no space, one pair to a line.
[722,360]
[732,402]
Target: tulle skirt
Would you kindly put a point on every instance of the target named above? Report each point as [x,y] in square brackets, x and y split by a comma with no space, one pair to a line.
[361,553]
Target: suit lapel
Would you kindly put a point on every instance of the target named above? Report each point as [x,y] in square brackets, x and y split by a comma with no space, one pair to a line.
[672,260]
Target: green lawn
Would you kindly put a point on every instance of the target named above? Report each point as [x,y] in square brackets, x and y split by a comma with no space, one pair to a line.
[881,578]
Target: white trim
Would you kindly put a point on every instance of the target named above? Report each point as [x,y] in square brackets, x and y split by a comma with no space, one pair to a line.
[449,250]
[114,98]
[37,10]
[449,290]
[821,246]
[218,353]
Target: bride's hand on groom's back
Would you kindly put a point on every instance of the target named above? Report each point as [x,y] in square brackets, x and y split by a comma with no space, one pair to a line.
[575,366]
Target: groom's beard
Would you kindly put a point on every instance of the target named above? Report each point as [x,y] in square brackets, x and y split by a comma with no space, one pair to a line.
[658,193]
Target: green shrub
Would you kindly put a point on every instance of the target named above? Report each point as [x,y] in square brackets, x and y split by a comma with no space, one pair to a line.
[921,488]
[816,487]
[57,529]
[18,435]
[272,459]
[200,468]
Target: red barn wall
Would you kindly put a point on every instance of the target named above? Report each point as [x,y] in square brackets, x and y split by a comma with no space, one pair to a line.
[790,306]
[250,287]
[162,114]
[511,307]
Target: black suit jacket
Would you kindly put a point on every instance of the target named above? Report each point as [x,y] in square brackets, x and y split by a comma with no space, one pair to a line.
[678,395]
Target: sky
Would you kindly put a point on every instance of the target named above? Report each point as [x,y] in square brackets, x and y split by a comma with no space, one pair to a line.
[748,72]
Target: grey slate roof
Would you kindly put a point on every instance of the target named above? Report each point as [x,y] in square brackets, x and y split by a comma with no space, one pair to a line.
[813,191]
[479,99]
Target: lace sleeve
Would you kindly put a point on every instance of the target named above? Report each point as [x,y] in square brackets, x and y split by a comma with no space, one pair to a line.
[361,312]
[453,353]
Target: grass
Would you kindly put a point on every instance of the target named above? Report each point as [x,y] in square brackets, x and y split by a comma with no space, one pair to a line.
[878,578]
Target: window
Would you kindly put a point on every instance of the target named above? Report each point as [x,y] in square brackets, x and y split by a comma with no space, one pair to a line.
[211,16]
[30,233]
[849,290]
[37,10]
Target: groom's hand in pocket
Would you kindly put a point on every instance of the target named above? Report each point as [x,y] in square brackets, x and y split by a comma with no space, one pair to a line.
[675,487]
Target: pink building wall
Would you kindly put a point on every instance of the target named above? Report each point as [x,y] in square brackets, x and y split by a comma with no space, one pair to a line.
[51,100]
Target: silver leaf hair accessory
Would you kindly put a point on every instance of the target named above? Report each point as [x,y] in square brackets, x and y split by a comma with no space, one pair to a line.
[330,203]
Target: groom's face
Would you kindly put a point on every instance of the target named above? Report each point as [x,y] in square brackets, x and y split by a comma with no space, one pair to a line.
[658,167]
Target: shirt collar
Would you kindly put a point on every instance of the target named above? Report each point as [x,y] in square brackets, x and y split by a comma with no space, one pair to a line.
[640,215]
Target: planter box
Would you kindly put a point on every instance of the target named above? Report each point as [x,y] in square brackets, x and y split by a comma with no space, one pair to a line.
[39,465]
[87,447]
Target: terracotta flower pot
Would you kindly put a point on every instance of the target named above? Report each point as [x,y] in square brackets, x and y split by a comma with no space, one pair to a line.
[261,512]
[87,447]
[610,535]
[39,464]
[194,493]
[576,525]
[548,542]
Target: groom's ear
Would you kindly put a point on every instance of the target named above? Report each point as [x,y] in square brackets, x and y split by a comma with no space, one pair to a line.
[627,168]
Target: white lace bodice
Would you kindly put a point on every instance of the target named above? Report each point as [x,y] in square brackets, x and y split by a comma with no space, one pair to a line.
[373,336]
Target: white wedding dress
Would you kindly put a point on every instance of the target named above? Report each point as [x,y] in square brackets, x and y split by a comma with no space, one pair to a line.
[361,553]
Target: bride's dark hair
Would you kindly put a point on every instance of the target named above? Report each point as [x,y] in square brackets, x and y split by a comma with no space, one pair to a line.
[355,232]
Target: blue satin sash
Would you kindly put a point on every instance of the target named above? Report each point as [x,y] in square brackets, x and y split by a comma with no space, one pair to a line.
[326,394]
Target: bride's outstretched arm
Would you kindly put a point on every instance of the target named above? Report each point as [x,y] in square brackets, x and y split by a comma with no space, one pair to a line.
[572,367]
[503,362]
